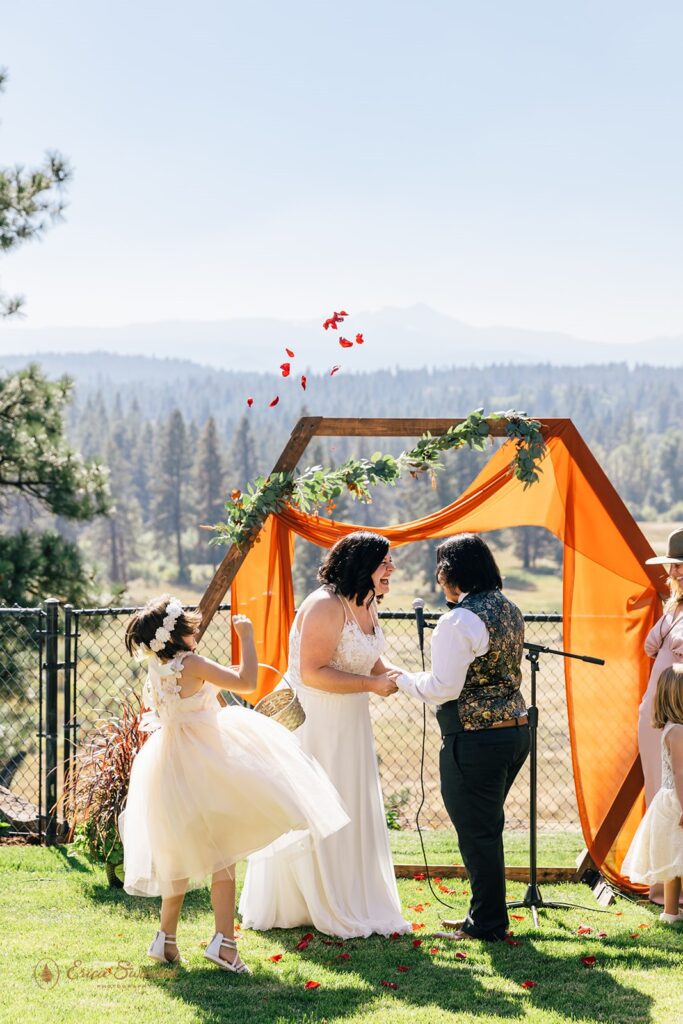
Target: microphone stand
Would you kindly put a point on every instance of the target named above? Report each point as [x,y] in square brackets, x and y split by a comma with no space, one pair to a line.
[533,899]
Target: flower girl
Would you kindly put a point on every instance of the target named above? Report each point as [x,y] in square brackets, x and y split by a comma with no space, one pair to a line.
[656,853]
[211,784]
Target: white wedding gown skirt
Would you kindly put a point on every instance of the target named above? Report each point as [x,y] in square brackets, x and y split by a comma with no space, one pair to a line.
[343,885]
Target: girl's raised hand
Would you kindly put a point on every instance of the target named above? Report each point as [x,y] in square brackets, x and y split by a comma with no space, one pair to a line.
[243,626]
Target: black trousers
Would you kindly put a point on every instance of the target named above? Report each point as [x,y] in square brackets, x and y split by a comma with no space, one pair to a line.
[477,770]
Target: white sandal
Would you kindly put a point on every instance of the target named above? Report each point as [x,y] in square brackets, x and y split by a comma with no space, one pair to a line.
[670,918]
[157,949]
[212,953]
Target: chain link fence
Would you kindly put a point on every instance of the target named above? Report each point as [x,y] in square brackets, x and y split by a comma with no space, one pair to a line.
[22,632]
[98,675]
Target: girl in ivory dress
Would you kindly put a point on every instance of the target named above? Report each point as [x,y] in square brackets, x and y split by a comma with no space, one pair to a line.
[656,853]
[211,784]
[343,885]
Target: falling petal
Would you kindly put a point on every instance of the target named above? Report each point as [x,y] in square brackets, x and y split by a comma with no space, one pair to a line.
[289,353]
[304,381]
[274,402]
[359,339]
[345,343]
[286,369]
[334,370]
[250,402]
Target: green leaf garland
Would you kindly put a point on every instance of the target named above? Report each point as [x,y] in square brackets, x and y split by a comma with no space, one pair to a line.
[318,487]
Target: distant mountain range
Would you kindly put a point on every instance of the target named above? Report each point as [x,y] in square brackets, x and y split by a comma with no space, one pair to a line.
[409,338]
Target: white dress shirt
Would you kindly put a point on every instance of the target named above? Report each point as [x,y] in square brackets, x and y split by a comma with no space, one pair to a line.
[460,637]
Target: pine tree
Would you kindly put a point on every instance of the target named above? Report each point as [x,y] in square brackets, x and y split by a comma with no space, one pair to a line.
[29,201]
[171,503]
[242,455]
[209,486]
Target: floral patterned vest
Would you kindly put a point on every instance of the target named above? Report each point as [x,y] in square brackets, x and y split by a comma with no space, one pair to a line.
[491,692]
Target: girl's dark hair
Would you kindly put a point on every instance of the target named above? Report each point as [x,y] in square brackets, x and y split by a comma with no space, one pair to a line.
[466,561]
[144,624]
[348,566]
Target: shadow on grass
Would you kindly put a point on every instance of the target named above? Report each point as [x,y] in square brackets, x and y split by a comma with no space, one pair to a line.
[563,984]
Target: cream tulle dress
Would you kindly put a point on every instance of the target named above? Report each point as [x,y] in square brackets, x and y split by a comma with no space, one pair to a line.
[656,853]
[343,885]
[211,785]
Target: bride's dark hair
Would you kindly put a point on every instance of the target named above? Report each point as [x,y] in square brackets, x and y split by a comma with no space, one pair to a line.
[348,566]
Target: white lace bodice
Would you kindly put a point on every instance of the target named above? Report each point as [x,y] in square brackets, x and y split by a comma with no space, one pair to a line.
[356,651]
[667,767]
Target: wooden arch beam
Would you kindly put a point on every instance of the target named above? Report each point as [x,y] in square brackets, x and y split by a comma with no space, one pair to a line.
[323,426]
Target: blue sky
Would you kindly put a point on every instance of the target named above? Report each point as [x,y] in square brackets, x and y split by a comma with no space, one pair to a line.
[510,163]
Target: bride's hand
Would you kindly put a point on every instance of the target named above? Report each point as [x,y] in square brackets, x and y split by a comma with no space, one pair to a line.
[385,684]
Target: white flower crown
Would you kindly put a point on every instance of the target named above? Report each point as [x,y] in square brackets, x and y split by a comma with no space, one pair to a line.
[173,611]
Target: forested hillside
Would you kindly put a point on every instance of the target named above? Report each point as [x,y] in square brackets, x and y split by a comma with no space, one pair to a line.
[178,437]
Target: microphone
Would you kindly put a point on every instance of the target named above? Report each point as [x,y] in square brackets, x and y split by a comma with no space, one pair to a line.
[418,608]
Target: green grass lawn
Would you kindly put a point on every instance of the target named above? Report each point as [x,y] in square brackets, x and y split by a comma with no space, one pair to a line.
[57,908]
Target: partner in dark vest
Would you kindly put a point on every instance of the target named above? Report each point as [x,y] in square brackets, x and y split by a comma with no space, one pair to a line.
[475,680]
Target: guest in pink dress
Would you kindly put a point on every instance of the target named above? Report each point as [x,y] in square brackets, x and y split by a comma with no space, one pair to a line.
[664,643]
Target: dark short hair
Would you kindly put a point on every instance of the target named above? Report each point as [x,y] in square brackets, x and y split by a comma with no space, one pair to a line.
[144,624]
[466,561]
[348,566]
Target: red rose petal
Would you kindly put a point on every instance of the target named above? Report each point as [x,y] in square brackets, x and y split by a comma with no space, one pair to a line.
[334,370]
[304,381]
[276,957]
[289,353]
[250,402]
[584,929]
[274,402]
[395,935]
[389,984]
[589,961]
[341,313]
[602,935]
[437,879]
[517,917]
[312,984]
[345,343]
[416,927]
[434,949]
[460,955]
[512,942]
[419,877]
[402,969]
[344,956]
[633,935]
[359,339]
[643,926]
[286,369]
[528,984]
[417,943]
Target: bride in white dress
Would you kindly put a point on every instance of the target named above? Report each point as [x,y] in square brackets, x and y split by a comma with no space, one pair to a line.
[343,885]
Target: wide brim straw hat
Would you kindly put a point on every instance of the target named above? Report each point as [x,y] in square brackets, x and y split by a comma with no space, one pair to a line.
[674,550]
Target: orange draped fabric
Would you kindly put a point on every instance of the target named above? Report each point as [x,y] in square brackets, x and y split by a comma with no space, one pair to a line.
[610,601]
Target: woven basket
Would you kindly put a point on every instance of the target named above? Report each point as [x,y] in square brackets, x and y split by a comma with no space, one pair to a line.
[282,706]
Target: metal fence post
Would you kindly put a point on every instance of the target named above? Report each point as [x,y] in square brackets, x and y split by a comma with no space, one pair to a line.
[68,744]
[51,607]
